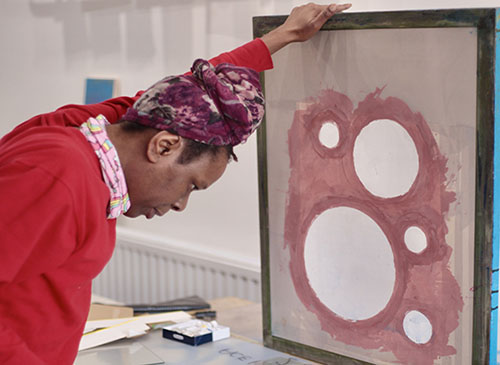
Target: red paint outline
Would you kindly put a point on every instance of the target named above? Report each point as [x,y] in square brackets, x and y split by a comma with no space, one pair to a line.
[323,178]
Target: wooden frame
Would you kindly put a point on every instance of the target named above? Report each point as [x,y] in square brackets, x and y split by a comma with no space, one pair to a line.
[484,21]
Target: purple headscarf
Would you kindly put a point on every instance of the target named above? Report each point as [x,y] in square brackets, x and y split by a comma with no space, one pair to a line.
[218,106]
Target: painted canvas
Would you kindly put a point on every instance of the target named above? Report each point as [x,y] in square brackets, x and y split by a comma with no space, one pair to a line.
[371,160]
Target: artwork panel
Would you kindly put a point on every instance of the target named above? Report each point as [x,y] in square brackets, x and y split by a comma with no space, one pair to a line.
[428,78]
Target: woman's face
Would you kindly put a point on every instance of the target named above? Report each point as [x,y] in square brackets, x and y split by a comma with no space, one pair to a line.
[167,184]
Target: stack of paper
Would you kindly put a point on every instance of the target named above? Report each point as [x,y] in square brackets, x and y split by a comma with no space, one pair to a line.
[99,332]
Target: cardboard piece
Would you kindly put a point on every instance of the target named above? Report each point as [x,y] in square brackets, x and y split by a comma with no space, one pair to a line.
[101,311]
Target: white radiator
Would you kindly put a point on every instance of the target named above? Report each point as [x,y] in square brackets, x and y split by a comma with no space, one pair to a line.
[143,270]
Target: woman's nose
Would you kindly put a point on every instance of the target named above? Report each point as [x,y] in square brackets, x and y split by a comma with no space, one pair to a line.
[180,205]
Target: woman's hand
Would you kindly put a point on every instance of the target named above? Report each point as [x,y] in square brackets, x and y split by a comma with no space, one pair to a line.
[302,23]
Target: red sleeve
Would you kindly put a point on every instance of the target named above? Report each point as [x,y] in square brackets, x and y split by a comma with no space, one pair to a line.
[253,54]
[74,115]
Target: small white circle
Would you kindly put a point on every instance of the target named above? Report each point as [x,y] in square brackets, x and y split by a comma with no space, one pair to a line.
[417,327]
[415,239]
[385,158]
[329,134]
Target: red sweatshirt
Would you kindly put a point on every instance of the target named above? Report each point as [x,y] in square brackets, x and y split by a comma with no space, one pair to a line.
[54,234]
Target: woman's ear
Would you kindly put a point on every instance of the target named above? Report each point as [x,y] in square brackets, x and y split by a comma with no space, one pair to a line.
[163,144]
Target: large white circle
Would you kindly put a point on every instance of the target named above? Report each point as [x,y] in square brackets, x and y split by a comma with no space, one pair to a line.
[417,327]
[385,158]
[349,263]
[329,134]
[415,239]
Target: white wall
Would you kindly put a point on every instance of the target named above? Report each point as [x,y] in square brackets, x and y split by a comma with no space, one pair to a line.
[49,47]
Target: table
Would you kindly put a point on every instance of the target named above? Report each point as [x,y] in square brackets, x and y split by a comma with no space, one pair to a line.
[244,347]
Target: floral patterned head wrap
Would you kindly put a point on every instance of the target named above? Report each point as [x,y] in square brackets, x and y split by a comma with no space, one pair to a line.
[217,106]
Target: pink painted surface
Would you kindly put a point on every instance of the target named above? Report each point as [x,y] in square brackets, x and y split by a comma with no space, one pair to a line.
[323,178]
